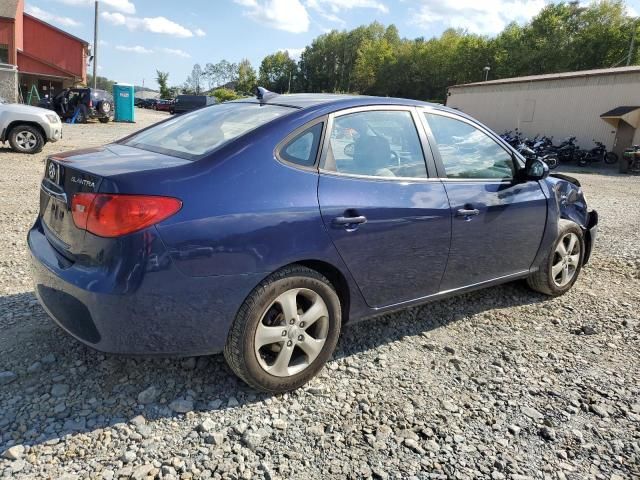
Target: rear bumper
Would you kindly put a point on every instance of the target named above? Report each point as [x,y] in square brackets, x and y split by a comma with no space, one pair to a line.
[165,313]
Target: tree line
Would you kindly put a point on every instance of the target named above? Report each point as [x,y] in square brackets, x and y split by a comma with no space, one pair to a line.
[375,60]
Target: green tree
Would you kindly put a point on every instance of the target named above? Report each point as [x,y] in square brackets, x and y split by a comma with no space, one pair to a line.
[246,80]
[193,84]
[224,94]
[163,82]
[277,72]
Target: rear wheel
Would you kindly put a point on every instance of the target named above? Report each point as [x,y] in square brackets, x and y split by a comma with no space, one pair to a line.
[285,331]
[560,269]
[26,139]
[82,115]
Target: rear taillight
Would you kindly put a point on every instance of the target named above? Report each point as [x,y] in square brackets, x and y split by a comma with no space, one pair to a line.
[112,215]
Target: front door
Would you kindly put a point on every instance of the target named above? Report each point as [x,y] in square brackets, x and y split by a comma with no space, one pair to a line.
[497,223]
[388,220]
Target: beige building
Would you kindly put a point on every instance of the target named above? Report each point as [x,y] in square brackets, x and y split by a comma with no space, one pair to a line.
[592,104]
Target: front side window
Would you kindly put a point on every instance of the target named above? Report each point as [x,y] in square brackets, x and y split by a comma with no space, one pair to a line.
[376,143]
[197,133]
[467,152]
[303,148]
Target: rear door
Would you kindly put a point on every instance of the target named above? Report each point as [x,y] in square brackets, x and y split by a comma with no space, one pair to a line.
[389,220]
[497,222]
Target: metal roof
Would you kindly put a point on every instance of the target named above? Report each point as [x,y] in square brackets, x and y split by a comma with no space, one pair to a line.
[619,111]
[554,76]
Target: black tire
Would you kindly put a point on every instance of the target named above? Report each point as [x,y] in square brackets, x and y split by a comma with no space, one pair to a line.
[583,161]
[83,114]
[542,281]
[552,162]
[610,158]
[104,119]
[239,350]
[26,139]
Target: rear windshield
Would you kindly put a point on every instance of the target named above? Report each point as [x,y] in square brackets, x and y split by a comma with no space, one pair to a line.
[197,133]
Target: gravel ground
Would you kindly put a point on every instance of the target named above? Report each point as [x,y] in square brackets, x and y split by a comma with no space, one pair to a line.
[501,383]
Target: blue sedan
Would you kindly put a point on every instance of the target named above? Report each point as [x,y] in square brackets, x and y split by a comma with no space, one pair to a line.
[260,227]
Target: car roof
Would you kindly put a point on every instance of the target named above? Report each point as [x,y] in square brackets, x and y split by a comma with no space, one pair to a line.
[309,100]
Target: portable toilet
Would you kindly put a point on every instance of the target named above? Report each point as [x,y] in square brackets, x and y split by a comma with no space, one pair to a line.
[123,97]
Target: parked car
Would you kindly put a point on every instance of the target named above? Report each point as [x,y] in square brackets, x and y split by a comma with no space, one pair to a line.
[187,103]
[27,128]
[81,103]
[164,105]
[148,102]
[257,227]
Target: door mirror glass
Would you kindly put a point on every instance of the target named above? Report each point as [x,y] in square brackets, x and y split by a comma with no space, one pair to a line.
[536,169]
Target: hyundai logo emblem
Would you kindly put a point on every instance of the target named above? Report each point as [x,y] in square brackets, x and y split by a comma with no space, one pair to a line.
[52,171]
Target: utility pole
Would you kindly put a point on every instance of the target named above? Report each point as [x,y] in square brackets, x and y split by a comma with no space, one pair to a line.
[633,41]
[95,47]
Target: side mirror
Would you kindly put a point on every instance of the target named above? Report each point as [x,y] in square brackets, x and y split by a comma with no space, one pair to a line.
[536,169]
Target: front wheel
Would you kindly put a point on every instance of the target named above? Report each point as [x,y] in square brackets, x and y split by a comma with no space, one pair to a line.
[285,331]
[104,119]
[26,139]
[610,158]
[560,269]
[552,162]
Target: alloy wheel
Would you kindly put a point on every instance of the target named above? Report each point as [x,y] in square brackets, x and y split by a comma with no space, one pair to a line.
[291,332]
[566,259]
[26,140]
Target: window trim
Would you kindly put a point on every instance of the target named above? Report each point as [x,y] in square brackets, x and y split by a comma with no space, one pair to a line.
[442,174]
[426,153]
[293,134]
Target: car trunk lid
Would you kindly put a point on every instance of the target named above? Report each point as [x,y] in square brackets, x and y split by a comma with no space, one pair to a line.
[85,171]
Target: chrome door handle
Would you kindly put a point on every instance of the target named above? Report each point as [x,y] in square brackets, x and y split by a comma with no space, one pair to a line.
[349,220]
[463,212]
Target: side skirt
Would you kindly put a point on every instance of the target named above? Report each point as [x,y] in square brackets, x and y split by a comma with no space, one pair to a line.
[374,312]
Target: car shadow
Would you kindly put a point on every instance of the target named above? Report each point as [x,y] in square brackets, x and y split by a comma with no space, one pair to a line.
[63,387]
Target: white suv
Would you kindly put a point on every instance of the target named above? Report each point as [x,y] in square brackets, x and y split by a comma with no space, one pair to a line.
[28,128]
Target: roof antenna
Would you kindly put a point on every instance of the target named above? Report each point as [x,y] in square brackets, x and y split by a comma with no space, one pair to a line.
[263,94]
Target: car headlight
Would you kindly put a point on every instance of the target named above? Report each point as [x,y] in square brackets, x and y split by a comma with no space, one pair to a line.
[53,118]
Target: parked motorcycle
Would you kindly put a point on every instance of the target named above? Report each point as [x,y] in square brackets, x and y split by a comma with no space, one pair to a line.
[598,153]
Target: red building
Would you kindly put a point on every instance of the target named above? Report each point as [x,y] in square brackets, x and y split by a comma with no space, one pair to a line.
[36,54]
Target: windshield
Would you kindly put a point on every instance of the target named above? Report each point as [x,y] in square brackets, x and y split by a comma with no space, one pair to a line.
[197,133]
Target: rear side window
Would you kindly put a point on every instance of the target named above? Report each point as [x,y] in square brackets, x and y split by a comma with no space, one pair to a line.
[468,152]
[197,133]
[303,148]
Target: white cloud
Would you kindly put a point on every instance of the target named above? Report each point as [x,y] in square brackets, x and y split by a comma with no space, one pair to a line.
[488,17]
[51,17]
[337,6]
[288,15]
[160,25]
[177,52]
[199,32]
[293,52]
[124,6]
[134,49]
